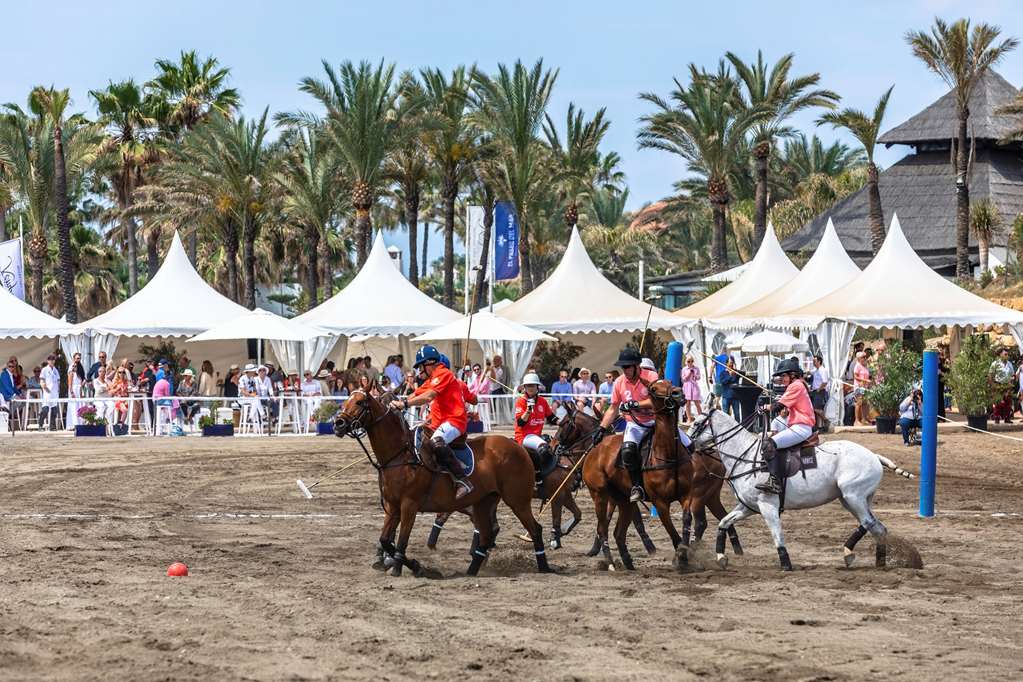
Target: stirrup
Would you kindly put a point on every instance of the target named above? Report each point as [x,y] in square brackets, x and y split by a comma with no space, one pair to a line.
[637,494]
[771,485]
[462,488]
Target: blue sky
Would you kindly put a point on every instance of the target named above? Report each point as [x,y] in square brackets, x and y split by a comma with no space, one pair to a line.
[607,52]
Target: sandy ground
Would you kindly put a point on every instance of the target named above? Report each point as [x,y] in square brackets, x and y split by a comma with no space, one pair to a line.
[281,587]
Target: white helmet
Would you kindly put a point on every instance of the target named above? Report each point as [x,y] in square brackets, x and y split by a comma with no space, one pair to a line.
[532,378]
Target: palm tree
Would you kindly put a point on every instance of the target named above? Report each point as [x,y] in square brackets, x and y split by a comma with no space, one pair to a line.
[803,157]
[961,57]
[607,206]
[511,106]
[449,138]
[185,94]
[130,122]
[363,119]
[704,124]
[310,184]
[577,160]
[985,222]
[773,91]
[97,286]
[866,130]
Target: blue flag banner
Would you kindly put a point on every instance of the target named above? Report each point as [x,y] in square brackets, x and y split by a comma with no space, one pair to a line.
[506,241]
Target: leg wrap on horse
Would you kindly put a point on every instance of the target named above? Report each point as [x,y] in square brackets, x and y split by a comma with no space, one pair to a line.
[856,536]
[719,544]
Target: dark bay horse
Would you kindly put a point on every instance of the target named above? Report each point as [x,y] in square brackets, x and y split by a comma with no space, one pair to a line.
[411,482]
[670,475]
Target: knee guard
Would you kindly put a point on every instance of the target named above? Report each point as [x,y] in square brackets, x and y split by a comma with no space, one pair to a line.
[545,459]
[630,456]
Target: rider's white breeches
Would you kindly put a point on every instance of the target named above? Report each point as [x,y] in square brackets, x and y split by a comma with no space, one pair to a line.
[634,432]
[448,432]
[532,442]
[793,435]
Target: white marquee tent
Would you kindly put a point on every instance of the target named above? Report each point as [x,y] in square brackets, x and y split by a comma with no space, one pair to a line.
[176,302]
[19,320]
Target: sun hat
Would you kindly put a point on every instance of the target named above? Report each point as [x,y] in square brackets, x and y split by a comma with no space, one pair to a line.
[188,373]
[262,368]
[250,368]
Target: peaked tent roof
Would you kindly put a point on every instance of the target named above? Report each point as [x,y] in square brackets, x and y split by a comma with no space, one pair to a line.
[939,120]
[577,298]
[176,302]
[20,320]
[829,269]
[260,324]
[379,302]
[898,290]
[729,275]
[769,269]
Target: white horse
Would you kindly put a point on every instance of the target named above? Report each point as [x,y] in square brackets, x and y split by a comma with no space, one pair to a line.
[845,471]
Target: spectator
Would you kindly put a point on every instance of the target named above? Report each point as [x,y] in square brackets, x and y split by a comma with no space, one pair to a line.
[909,414]
[648,370]
[162,393]
[76,389]
[727,382]
[20,382]
[8,379]
[479,383]
[183,364]
[265,392]
[119,385]
[35,381]
[819,384]
[850,364]
[691,387]
[1003,376]
[583,390]
[394,370]
[188,389]
[207,380]
[312,392]
[101,361]
[561,390]
[231,383]
[410,384]
[497,375]
[604,391]
[720,370]
[861,382]
[49,381]
[371,372]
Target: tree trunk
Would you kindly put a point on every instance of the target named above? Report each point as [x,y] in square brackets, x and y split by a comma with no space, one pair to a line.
[153,251]
[193,247]
[450,194]
[874,213]
[761,155]
[962,200]
[484,271]
[426,248]
[327,278]
[128,226]
[67,263]
[525,267]
[231,251]
[412,220]
[363,228]
[718,252]
[983,250]
[249,263]
[37,257]
[312,250]
[3,223]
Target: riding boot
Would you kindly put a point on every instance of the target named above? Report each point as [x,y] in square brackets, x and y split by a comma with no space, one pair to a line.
[775,461]
[537,459]
[630,458]
[545,464]
[446,458]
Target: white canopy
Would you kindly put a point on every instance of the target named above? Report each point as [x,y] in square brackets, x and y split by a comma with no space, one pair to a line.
[769,270]
[19,320]
[578,298]
[729,275]
[176,302]
[769,343]
[899,290]
[486,326]
[829,269]
[379,302]
[260,324]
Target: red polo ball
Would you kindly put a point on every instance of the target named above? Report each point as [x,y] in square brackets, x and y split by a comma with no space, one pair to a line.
[177,569]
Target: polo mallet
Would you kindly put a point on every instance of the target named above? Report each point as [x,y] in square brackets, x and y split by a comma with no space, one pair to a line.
[307,489]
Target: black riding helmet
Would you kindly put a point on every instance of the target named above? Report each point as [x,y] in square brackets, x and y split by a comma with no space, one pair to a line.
[629,357]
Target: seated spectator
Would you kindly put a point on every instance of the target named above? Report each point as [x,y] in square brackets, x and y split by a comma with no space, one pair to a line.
[9,380]
[909,414]
[162,397]
[231,387]
[561,390]
[119,385]
[265,389]
[604,391]
[312,391]
[583,390]
[33,382]
[188,389]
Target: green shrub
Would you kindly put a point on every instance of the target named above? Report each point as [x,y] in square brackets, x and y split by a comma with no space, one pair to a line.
[550,357]
[326,411]
[969,377]
[898,368]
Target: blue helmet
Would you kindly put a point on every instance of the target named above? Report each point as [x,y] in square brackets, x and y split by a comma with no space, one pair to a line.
[444,360]
[426,354]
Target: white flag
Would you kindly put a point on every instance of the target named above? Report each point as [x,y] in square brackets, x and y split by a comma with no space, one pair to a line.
[12,270]
[474,238]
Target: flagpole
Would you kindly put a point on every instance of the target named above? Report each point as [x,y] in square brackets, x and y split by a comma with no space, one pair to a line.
[468,252]
[490,279]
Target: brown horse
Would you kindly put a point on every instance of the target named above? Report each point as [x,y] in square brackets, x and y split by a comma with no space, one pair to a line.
[670,475]
[411,482]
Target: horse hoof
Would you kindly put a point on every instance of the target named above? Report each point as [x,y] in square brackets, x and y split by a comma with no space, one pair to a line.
[395,572]
[737,550]
[722,561]
[649,546]
[787,568]
[378,565]
[555,544]
[849,559]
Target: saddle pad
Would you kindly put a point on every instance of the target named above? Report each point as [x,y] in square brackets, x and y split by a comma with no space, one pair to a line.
[463,453]
[800,460]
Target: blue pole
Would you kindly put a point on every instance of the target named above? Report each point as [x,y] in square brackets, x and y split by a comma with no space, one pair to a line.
[929,433]
[673,363]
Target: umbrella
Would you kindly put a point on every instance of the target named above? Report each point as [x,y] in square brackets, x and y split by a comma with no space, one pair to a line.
[260,324]
[770,343]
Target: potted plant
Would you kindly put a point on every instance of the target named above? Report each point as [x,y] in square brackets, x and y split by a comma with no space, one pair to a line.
[324,417]
[969,378]
[898,369]
[93,425]
[210,427]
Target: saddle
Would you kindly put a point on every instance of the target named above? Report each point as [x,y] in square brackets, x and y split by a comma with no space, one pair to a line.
[645,453]
[464,455]
[801,457]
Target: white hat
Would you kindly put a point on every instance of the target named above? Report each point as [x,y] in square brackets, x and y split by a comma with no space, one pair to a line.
[532,378]
[647,363]
[262,368]
[188,373]
[250,368]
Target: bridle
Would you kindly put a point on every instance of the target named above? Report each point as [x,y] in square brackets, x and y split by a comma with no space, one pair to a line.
[756,464]
[358,427]
[569,444]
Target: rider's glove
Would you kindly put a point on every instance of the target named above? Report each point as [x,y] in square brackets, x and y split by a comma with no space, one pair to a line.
[531,403]
[630,405]
[598,435]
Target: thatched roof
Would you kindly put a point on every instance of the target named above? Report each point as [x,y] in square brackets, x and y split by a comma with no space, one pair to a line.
[938,121]
[921,189]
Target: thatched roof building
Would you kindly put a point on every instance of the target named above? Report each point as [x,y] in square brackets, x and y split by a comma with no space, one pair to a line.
[920,187]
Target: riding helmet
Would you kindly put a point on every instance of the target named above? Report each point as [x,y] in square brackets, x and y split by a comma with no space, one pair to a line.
[426,354]
[629,357]
[445,360]
[534,379]
[788,366]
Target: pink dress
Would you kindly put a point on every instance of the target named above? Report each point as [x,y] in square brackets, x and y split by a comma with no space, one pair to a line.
[691,382]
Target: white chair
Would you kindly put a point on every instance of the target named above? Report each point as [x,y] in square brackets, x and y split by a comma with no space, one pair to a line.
[288,409]
[4,422]
[251,421]
[164,419]
[30,408]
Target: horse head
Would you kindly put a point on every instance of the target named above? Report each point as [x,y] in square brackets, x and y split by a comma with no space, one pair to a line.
[665,396]
[357,413]
[573,428]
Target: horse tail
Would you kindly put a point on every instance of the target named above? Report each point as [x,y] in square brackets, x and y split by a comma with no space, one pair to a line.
[889,464]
